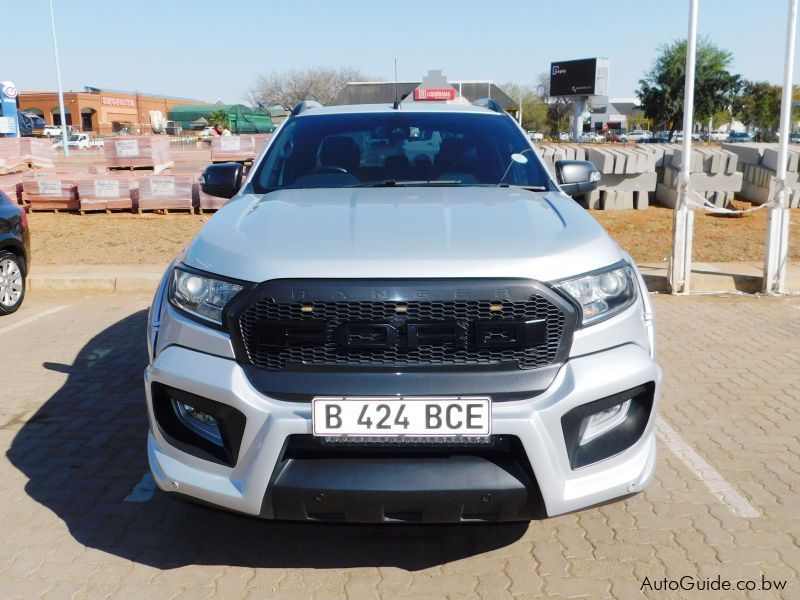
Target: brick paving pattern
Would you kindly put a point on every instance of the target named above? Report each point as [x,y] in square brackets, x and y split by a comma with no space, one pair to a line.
[72,432]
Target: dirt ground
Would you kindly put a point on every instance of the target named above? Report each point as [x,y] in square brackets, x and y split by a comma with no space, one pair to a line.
[122,238]
[647,234]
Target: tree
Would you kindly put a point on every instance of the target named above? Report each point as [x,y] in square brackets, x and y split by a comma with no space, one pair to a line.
[759,105]
[661,89]
[219,117]
[534,110]
[289,88]
[559,109]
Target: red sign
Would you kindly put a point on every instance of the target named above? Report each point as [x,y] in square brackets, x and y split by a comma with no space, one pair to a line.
[440,94]
[111,101]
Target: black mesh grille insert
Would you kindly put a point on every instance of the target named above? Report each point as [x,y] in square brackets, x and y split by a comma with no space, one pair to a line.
[336,313]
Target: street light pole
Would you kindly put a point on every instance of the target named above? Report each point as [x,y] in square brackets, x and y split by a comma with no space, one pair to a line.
[777,244]
[60,89]
[680,264]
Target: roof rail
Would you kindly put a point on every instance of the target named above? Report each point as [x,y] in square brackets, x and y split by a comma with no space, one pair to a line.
[304,106]
[489,103]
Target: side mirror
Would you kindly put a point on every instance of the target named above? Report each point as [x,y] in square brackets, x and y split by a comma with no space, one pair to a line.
[576,177]
[222,180]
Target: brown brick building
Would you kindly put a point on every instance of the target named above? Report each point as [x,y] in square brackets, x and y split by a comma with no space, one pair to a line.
[102,111]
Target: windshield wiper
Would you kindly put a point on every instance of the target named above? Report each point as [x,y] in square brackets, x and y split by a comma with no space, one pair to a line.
[403,183]
[532,188]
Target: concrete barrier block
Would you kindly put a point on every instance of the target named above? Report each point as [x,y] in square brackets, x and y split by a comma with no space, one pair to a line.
[770,160]
[602,160]
[749,152]
[611,200]
[732,161]
[592,200]
[666,196]
[636,182]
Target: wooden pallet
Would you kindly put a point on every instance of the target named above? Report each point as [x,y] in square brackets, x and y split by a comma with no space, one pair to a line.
[165,211]
[70,206]
[156,169]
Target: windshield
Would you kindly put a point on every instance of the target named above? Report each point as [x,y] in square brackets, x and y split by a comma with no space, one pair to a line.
[383,149]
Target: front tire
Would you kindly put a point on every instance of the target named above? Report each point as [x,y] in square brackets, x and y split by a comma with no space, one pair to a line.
[12,282]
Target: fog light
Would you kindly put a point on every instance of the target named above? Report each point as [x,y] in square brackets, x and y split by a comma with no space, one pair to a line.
[203,424]
[603,421]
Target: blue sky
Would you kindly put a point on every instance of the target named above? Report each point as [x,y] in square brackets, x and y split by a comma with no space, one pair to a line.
[213,50]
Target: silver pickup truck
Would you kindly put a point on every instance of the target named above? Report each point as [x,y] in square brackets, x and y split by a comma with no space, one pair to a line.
[401,317]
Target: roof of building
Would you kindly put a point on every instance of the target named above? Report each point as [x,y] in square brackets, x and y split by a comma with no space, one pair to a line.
[617,106]
[92,89]
[380,92]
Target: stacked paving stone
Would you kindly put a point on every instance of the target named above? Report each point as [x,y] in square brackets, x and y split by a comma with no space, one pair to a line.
[758,164]
[260,140]
[165,192]
[38,153]
[11,185]
[17,154]
[138,152]
[233,148]
[712,174]
[112,191]
[53,189]
[205,202]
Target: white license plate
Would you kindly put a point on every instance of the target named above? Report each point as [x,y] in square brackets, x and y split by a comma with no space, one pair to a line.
[398,416]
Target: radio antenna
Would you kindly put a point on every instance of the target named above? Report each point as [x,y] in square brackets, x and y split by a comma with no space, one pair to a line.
[396,105]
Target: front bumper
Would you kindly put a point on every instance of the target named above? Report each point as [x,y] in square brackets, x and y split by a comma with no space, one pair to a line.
[260,483]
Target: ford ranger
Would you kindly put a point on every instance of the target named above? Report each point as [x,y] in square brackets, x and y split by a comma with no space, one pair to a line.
[401,316]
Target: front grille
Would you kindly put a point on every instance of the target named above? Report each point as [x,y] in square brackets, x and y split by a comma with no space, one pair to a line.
[334,313]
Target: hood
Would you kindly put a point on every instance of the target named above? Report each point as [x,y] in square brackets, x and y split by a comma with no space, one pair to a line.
[402,232]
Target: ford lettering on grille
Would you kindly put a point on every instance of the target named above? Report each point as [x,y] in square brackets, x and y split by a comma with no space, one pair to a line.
[486,334]
[508,323]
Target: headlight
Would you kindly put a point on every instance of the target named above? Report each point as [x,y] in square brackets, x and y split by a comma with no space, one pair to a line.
[603,294]
[200,295]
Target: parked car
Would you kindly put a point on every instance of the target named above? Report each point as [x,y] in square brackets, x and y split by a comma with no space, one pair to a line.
[636,135]
[79,141]
[592,137]
[794,137]
[739,136]
[451,338]
[51,131]
[564,136]
[536,136]
[14,254]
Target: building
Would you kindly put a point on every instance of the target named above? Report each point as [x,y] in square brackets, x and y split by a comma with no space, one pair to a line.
[383,92]
[623,114]
[103,111]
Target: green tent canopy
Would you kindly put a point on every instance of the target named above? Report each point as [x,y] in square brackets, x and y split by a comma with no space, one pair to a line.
[243,119]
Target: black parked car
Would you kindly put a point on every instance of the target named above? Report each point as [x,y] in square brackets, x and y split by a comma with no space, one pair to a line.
[14,253]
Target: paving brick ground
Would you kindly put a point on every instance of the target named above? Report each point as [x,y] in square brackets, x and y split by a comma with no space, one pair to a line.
[72,431]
